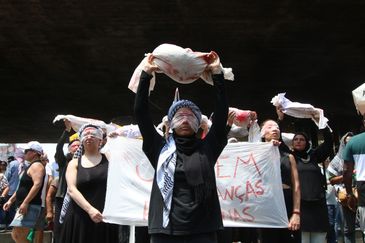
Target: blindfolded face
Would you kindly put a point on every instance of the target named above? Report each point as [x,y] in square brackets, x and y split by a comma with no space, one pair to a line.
[91,132]
[185,121]
[270,131]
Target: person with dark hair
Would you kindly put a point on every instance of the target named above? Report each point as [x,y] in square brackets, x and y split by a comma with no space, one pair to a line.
[314,224]
[270,132]
[354,159]
[4,189]
[86,177]
[62,160]
[335,172]
[184,205]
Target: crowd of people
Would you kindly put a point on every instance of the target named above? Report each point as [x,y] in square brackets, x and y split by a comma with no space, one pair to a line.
[324,193]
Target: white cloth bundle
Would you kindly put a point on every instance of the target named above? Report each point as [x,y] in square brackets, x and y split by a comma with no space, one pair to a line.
[77,122]
[300,110]
[359,98]
[182,65]
[242,117]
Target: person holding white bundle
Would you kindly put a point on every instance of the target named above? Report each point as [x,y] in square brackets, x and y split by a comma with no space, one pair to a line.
[184,205]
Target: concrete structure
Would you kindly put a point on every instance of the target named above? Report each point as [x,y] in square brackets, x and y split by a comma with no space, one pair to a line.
[76,57]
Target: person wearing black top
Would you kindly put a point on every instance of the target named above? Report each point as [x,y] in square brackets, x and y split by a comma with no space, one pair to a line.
[29,193]
[184,205]
[313,184]
[62,160]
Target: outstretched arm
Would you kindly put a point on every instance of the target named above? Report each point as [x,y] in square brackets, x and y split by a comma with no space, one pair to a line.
[151,138]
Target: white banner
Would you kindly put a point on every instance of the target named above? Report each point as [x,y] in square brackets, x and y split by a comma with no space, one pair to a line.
[248,183]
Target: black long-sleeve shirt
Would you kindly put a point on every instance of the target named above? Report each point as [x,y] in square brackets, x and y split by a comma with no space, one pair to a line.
[187,216]
[62,162]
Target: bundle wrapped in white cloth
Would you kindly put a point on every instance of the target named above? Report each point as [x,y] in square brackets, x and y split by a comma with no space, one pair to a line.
[300,110]
[182,65]
[77,122]
[359,98]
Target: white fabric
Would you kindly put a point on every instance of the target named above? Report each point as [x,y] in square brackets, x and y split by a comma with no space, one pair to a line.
[77,122]
[254,134]
[242,117]
[360,166]
[165,176]
[300,110]
[182,65]
[129,131]
[248,182]
[358,95]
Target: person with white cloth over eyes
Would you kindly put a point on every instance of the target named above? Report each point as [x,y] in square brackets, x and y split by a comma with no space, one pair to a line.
[86,177]
[184,205]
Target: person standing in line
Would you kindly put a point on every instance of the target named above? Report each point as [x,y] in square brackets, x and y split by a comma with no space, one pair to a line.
[28,198]
[270,132]
[62,160]
[86,177]
[184,205]
[335,171]
[12,174]
[354,158]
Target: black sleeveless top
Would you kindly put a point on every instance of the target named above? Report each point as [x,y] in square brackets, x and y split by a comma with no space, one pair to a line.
[285,169]
[25,184]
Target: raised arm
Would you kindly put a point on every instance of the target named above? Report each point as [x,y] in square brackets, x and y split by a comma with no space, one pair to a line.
[324,149]
[151,138]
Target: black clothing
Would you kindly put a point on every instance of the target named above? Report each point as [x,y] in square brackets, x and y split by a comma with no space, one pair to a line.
[285,169]
[197,238]
[191,212]
[62,162]
[78,226]
[25,184]
[314,213]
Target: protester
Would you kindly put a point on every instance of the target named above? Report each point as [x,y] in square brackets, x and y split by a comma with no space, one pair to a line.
[314,224]
[331,205]
[184,204]
[51,194]
[354,158]
[270,132]
[86,177]
[12,175]
[62,160]
[28,198]
[4,189]
[335,171]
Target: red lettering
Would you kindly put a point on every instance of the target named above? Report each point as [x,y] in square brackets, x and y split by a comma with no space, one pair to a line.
[240,161]
[228,193]
[249,189]
[218,165]
[258,185]
[245,213]
[239,196]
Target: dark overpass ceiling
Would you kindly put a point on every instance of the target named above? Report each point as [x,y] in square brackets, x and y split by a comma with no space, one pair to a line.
[76,57]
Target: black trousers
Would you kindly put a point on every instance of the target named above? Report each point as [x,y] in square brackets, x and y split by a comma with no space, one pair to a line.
[196,238]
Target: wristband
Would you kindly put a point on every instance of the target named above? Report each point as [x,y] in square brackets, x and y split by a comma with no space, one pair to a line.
[296,212]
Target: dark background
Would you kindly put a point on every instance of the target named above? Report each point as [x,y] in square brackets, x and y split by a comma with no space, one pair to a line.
[76,57]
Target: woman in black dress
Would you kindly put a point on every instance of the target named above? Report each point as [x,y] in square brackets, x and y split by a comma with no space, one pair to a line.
[86,178]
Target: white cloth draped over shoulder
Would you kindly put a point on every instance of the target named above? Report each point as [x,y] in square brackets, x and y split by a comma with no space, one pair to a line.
[182,65]
[300,110]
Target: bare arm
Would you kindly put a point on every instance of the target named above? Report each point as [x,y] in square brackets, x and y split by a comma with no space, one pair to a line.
[49,202]
[71,175]
[348,168]
[36,171]
[294,223]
